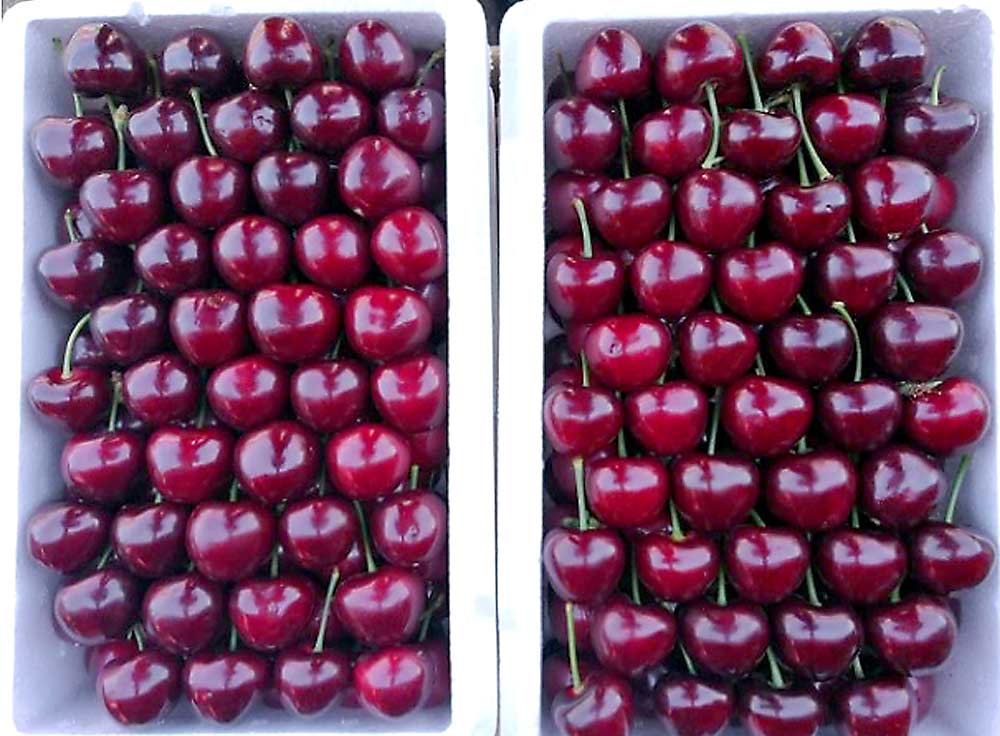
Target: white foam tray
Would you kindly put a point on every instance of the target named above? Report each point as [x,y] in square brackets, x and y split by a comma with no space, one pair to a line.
[43,686]
[961,36]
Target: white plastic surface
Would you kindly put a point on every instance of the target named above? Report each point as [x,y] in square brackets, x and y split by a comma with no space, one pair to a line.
[43,685]
[968,690]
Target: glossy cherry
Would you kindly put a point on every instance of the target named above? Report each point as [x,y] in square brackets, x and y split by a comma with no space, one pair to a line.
[271,613]
[309,682]
[142,688]
[413,117]
[410,528]
[613,65]
[291,187]
[161,389]
[673,141]
[717,209]
[715,349]
[667,419]
[293,322]
[943,266]
[603,706]
[626,352]
[816,642]
[222,687]
[80,273]
[677,568]
[765,416]
[945,558]
[726,640]
[765,564]
[861,566]
[581,134]
[123,206]
[327,117]
[629,213]
[281,52]
[846,129]
[248,392]
[627,492]
[877,707]
[129,328]
[860,276]
[798,52]
[376,176]
[97,608]
[189,464]
[67,536]
[693,55]
[807,217]
[209,327]
[688,705]
[277,462]
[381,608]
[367,461]
[248,125]
[251,251]
[229,541]
[933,131]
[562,189]
[393,681]
[101,655]
[943,418]
[628,639]
[769,711]
[409,246]
[184,613]
[813,349]
[812,491]
[72,149]
[318,533]
[196,58]
[900,487]
[149,539]
[913,635]
[670,279]
[100,59]
[173,259]
[578,421]
[886,52]
[329,395]
[163,132]
[862,416]
[333,251]
[101,467]
[714,493]
[374,57]
[581,287]
[583,567]
[891,194]
[411,394]
[915,342]
[759,143]
[759,284]
[75,400]
[583,616]
[209,191]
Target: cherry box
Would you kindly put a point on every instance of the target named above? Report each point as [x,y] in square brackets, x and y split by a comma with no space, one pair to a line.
[961,36]
[43,685]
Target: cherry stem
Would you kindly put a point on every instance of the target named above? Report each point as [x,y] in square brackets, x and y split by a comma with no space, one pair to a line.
[634,579]
[584,370]
[841,310]
[432,61]
[883,96]
[716,304]
[713,431]
[756,518]
[855,518]
[841,89]
[274,561]
[758,365]
[77,105]
[803,305]
[330,59]
[105,557]
[366,541]
[234,638]
[936,85]
[202,125]
[67,362]
[811,592]
[325,617]
[199,421]
[904,287]
[758,102]
[817,162]
[896,592]
[581,214]
[687,661]
[923,228]
[414,476]
[234,491]
[801,447]
[851,235]
[626,141]
[154,74]
[672,227]
[428,616]
[119,117]
[956,487]
[676,531]
[574,663]
[713,108]
[116,400]
[136,633]
[720,594]
[859,671]
[622,449]
[752,239]
[800,159]
[564,73]
[777,679]
[581,495]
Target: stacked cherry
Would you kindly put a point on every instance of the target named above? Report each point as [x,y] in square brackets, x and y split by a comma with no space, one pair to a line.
[256,388]
[764,251]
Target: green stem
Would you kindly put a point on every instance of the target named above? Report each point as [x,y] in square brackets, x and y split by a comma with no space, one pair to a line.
[584,370]
[713,430]
[581,214]
[119,117]
[811,592]
[325,616]
[714,297]
[202,126]
[676,531]
[803,305]
[752,239]
[713,108]
[67,362]
[77,105]
[116,400]
[634,579]
[855,518]
[936,85]
[672,227]
[883,96]
[154,75]
[720,594]
[896,592]
[622,449]
[574,664]
[71,229]
[851,235]
[803,172]
[431,62]
[687,661]
[428,616]
[859,671]
[234,638]
[564,73]
[414,476]
[817,162]
[756,518]
[758,101]
[234,490]
[801,447]
[904,287]
[105,557]
[366,541]
[274,569]
[581,494]
[777,679]
[841,310]
[140,642]
[758,365]
[956,487]
[626,141]
[199,421]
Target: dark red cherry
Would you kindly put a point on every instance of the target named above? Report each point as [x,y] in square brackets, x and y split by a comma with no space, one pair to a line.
[97,608]
[142,688]
[816,642]
[293,322]
[946,558]
[900,487]
[715,349]
[561,468]
[602,707]
[376,176]
[327,117]
[613,65]
[670,279]
[667,419]
[409,247]
[768,711]
[727,641]
[581,134]
[561,190]
[583,566]
[807,217]
[375,58]
[860,276]
[915,342]
[209,327]
[66,537]
[102,655]
[766,416]
[693,55]
[149,539]
[944,266]
[673,141]
[248,125]
[100,59]
[433,178]
[124,206]
[385,323]
[877,707]
[766,564]
[251,251]
[891,194]
[79,274]
[862,416]
[579,421]
[933,132]
[798,52]
[886,52]
[759,284]
[914,635]
[381,608]
[861,566]
[943,418]
[628,351]
[759,143]
[209,191]
[629,213]
[332,251]
[414,118]
[688,705]
[309,682]
[437,654]
[129,328]
[229,541]
[677,570]
[581,288]
[173,259]
[367,461]
[281,52]
[74,401]
[72,149]
[812,491]
[942,202]
[161,389]
[329,395]
[582,617]
[271,613]
[813,349]
[393,681]
[189,464]
[318,533]
[223,686]
[429,449]
[101,467]
[196,58]
[411,394]
[410,528]
[86,353]
[846,129]
[291,187]
[627,492]
[717,209]
[184,613]
[277,462]
[714,493]
[629,639]
[163,132]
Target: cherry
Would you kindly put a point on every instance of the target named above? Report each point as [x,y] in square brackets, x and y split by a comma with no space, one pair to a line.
[248,125]
[376,176]
[269,614]
[613,65]
[726,640]
[805,216]
[196,58]
[429,449]
[291,187]
[433,178]
[688,705]
[671,142]
[327,117]
[900,487]
[97,608]
[79,274]
[70,150]
[393,681]
[946,558]
[222,687]
[293,322]
[436,653]
[772,711]
[309,681]
[813,349]
[149,539]
[381,607]
[913,635]
[74,400]
[583,566]
[563,474]
[935,130]
[142,688]
[86,353]
[161,389]
[102,655]
[229,541]
[184,613]
[943,265]
[765,416]
[412,394]
[413,118]
[582,617]
[248,392]
[384,323]
[942,203]
[128,328]
[280,52]
[409,246]
[173,259]
[410,528]
[759,284]
[332,251]
[209,327]
[101,467]
[860,276]
[816,642]
[886,52]
[677,568]
[627,492]
[601,706]
[579,421]
[251,252]
[846,129]
[74,218]
[861,416]
[670,279]
[943,418]
[375,58]
[915,341]
[813,491]
[891,194]
[759,143]
[580,284]
[66,537]
[694,55]
[713,493]
[209,191]
[861,566]
[581,134]
[318,533]
[563,188]
[330,395]
[162,133]
[878,707]
[123,206]
[100,59]
[277,462]
[766,565]
[667,419]
[629,638]
[189,464]
[631,212]
[798,52]
[367,461]
[626,352]
[717,209]
[556,673]
[714,349]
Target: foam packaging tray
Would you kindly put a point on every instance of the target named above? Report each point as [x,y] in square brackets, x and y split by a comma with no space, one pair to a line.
[43,685]
[961,36]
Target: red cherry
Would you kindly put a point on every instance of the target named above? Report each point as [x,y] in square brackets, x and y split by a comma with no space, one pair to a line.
[769,711]
[860,276]
[882,707]
[162,133]
[72,149]
[332,251]
[691,706]
[667,419]
[429,449]
[414,118]
[915,342]
[209,327]
[318,533]
[124,206]
[718,209]
[583,566]
[128,328]
[384,323]
[629,213]
[291,187]
[943,266]
[102,655]
[759,143]
[603,706]
[807,217]
[943,418]
[670,279]
[248,125]
[412,394]
[846,129]
[97,608]
[161,389]
[714,493]
[933,131]
[174,259]
[913,635]
[900,487]
[280,52]
[250,252]
[581,134]
[613,65]
[581,288]
[409,246]
[196,58]
[859,566]
[376,177]
[277,462]
[100,59]
[149,539]
[565,187]
[248,392]
[66,537]
[629,639]
[862,416]
[727,641]
[293,322]
[140,689]
[942,202]
[189,465]
[819,643]
[886,52]
[184,613]
[677,569]
[693,55]
[582,617]
[367,461]
[101,467]
[330,395]
[209,191]
[375,58]
[759,284]
[410,528]
[714,349]
[229,541]
[74,401]
[269,614]
[672,142]
[627,492]
[891,194]
[946,558]
[766,565]
[79,274]
[812,491]
[626,352]
[578,421]
[222,687]
[813,349]
[394,681]
[381,608]
[309,682]
[766,416]
[798,52]
[327,117]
